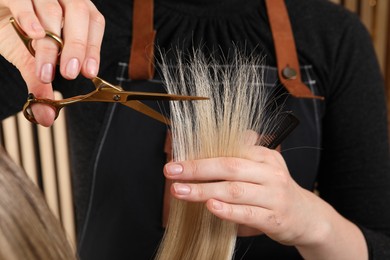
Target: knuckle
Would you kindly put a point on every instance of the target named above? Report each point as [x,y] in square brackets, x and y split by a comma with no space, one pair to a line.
[98,19]
[23,14]
[93,48]
[193,168]
[251,137]
[248,214]
[231,164]
[81,6]
[235,190]
[229,212]
[53,9]
[77,44]
[282,177]
[200,192]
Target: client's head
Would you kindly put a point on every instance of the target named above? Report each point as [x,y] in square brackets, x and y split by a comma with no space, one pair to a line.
[28,229]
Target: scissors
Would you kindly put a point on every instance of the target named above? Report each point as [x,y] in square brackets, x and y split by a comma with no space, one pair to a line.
[104,92]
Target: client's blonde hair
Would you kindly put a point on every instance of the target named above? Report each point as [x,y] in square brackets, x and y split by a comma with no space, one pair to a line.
[28,230]
[218,127]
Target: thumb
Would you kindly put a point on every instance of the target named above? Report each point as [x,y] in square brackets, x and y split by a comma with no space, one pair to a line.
[44,114]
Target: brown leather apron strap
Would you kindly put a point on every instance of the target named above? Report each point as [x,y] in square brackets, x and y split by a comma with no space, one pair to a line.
[286,52]
[141,63]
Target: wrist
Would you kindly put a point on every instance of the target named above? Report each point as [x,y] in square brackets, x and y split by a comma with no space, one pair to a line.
[320,226]
[331,236]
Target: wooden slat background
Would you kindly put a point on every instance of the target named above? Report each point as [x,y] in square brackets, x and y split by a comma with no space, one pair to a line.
[43,151]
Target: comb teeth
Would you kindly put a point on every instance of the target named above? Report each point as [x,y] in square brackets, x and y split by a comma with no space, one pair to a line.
[275,136]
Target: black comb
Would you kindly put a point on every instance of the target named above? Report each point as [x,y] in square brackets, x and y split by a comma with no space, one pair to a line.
[286,124]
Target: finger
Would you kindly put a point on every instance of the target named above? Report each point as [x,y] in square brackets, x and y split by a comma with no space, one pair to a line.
[263,219]
[23,12]
[226,191]
[222,168]
[91,63]
[76,27]
[49,13]
[44,115]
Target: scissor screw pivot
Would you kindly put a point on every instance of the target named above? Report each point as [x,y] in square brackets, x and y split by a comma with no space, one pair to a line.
[116,97]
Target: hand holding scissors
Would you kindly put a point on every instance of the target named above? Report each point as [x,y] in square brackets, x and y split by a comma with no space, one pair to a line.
[78,23]
[104,92]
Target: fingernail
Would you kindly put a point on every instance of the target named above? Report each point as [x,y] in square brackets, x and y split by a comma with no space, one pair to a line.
[217,205]
[174,169]
[72,68]
[47,73]
[92,67]
[181,189]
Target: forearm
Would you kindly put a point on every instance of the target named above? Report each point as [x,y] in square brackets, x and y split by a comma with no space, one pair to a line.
[335,238]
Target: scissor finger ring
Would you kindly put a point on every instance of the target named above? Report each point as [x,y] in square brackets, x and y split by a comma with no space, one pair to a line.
[28,41]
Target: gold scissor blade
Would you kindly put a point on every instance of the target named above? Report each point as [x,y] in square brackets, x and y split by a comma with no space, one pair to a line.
[144,109]
[136,95]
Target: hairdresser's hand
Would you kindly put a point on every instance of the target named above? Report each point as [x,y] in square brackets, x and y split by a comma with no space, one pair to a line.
[78,22]
[257,191]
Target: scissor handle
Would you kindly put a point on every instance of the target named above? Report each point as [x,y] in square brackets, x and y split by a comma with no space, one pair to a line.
[31,99]
[28,41]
